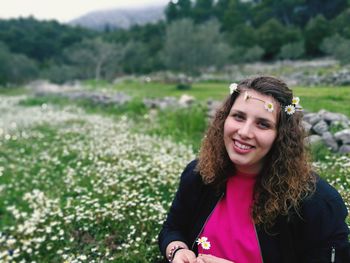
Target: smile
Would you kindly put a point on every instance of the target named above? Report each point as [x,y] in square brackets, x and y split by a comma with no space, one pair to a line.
[242,146]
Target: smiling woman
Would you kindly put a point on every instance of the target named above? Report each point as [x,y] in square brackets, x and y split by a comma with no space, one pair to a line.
[251,196]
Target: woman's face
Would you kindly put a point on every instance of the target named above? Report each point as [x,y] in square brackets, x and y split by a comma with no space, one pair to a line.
[250,131]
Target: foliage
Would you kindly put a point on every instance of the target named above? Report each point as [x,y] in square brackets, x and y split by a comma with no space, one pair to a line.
[338,47]
[189,47]
[340,24]
[15,68]
[315,31]
[292,50]
[39,40]
[183,86]
[202,10]
[60,73]
[61,52]
[95,58]
[253,54]
[273,35]
[179,10]
[135,58]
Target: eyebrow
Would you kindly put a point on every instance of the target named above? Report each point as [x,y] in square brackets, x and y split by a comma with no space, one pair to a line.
[258,118]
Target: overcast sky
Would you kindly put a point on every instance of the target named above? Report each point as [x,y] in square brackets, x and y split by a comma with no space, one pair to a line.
[64,10]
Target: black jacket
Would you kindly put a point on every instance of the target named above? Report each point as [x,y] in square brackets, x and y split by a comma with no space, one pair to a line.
[311,238]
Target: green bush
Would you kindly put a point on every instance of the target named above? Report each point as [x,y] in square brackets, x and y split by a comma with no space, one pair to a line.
[183,86]
[292,51]
[338,47]
[253,54]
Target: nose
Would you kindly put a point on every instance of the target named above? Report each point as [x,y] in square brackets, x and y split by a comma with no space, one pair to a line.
[245,131]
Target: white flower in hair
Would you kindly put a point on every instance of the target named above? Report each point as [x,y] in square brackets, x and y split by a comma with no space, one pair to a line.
[290,109]
[295,100]
[233,87]
[269,106]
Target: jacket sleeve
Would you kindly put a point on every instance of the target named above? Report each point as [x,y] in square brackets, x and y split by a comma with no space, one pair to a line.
[325,230]
[178,219]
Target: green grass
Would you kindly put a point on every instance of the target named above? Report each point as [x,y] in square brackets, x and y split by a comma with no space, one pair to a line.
[334,99]
[200,91]
[313,99]
[13,91]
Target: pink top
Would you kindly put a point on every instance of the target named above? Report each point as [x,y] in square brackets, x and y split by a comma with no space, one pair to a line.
[230,229]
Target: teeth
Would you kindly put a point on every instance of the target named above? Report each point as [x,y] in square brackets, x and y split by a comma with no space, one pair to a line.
[242,146]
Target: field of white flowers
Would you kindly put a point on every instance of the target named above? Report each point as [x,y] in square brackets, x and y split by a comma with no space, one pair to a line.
[78,187]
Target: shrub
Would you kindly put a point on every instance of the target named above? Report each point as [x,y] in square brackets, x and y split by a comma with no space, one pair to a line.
[292,50]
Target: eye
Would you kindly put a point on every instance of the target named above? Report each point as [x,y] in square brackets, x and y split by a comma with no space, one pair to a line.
[238,117]
[264,125]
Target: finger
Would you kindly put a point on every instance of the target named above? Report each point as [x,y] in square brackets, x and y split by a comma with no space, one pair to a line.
[199,260]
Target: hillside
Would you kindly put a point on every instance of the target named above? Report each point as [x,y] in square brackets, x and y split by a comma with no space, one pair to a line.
[120,18]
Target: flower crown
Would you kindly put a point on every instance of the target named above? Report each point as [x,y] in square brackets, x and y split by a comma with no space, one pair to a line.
[289,109]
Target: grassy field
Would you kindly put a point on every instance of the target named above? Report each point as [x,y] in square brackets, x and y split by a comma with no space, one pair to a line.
[335,99]
[85,183]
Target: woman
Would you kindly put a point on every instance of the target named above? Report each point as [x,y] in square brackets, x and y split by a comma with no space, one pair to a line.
[251,195]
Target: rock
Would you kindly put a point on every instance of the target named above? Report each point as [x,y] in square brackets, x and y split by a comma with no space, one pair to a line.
[344,149]
[330,141]
[312,118]
[313,139]
[343,136]
[330,117]
[307,126]
[186,100]
[320,127]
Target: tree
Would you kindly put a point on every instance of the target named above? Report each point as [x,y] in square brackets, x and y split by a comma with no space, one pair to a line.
[202,10]
[22,69]
[235,14]
[338,47]
[190,47]
[95,57]
[177,10]
[315,31]
[272,35]
[341,23]
[292,50]
[135,57]
[284,11]
[5,58]
[39,40]
[243,35]
[15,68]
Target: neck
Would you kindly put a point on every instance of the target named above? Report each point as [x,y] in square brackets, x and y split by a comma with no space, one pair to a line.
[248,170]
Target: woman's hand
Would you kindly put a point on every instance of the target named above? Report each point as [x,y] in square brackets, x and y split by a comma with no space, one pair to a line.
[184,256]
[210,259]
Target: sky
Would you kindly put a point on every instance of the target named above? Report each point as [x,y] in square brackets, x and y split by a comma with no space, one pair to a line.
[65,10]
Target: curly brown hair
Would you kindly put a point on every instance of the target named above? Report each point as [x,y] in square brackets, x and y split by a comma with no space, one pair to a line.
[286,176]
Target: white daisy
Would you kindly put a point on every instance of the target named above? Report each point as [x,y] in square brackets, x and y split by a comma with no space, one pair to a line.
[295,100]
[233,87]
[201,240]
[269,106]
[206,245]
[290,109]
